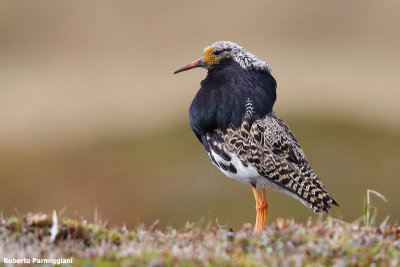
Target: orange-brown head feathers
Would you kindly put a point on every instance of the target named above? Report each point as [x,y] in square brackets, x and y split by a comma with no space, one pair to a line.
[209,58]
[218,51]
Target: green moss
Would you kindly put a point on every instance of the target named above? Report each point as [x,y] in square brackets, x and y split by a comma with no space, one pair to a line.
[284,242]
[13,223]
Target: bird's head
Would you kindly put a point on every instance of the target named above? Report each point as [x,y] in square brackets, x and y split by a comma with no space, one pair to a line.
[219,51]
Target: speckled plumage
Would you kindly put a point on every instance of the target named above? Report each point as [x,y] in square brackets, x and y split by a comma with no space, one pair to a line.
[245,59]
[232,117]
[272,157]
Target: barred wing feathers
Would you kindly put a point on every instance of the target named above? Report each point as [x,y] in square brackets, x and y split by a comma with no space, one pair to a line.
[266,153]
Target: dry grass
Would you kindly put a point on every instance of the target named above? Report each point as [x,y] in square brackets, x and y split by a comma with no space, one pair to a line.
[283,243]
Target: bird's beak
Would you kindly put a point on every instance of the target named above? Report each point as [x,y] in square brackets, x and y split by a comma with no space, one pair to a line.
[194,64]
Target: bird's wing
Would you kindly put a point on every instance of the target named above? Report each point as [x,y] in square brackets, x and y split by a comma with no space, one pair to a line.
[270,147]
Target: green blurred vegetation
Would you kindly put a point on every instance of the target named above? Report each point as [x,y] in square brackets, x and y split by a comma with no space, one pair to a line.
[284,242]
[167,175]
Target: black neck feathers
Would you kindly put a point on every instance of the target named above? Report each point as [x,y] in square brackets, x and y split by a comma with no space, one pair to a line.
[228,94]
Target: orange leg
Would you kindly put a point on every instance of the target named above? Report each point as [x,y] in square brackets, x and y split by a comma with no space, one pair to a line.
[258,205]
[264,205]
[261,208]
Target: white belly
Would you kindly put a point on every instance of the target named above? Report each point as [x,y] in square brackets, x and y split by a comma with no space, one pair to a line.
[244,174]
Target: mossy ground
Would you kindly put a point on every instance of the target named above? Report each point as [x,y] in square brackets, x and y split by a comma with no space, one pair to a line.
[284,242]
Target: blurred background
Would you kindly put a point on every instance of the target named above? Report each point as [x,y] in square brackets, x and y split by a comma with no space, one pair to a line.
[92,117]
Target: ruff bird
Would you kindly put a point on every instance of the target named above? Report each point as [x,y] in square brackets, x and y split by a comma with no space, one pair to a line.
[232,116]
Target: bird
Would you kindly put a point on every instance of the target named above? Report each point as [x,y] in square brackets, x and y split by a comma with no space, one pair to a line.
[232,116]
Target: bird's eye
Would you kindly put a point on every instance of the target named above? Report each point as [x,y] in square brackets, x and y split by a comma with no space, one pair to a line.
[216,52]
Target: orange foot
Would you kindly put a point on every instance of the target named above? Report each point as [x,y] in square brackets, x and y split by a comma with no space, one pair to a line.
[261,208]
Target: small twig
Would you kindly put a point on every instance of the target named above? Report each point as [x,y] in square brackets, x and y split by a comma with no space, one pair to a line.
[154,226]
[61,212]
[369,202]
[220,226]
[376,193]
[54,227]
[383,224]
[95,216]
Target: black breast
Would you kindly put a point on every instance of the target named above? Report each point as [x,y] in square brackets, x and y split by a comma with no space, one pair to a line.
[221,100]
